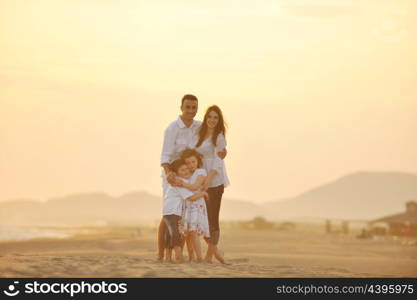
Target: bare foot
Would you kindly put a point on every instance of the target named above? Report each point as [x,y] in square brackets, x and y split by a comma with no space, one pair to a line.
[208,260]
[209,257]
[218,254]
[199,260]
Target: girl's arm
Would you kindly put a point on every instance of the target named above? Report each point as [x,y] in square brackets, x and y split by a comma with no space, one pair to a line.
[197,196]
[197,185]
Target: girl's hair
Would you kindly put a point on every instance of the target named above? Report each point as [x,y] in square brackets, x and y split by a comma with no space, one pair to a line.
[176,164]
[220,128]
[190,153]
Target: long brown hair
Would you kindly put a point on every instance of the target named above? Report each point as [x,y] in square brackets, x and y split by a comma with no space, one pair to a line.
[220,128]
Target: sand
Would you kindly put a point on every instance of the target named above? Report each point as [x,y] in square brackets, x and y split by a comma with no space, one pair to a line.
[127,252]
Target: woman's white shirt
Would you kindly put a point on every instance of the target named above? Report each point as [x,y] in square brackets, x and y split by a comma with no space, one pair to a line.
[210,158]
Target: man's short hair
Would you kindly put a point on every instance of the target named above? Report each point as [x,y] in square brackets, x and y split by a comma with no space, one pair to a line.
[188,97]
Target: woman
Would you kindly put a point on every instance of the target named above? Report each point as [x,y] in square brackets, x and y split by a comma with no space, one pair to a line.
[209,141]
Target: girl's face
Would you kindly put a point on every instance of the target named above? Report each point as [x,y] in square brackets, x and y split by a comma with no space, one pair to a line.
[192,163]
[212,119]
[183,172]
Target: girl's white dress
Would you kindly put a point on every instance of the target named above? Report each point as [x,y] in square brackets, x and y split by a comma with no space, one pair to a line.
[195,212]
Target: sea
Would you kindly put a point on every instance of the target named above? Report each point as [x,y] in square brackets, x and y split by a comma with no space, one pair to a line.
[10,233]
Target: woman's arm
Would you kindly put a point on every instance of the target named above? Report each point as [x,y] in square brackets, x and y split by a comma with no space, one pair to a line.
[218,161]
[221,145]
[222,154]
[209,178]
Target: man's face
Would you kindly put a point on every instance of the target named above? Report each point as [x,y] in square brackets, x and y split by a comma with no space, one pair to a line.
[189,109]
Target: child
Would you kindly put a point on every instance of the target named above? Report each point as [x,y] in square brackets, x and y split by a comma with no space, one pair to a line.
[195,212]
[172,210]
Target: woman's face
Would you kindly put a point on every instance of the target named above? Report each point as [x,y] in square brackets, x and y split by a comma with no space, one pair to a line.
[183,171]
[212,119]
[192,163]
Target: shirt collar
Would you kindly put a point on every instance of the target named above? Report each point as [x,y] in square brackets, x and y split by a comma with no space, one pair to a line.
[181,124]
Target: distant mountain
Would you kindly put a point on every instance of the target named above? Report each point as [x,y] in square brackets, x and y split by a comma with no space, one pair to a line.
[100,208]
[362,195]
[82,209]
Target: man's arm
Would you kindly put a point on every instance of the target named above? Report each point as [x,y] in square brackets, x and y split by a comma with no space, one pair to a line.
[168,145]
[166,167]
[168,148]
[169,174]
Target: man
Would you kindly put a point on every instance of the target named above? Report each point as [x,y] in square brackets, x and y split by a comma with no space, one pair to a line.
[177,137]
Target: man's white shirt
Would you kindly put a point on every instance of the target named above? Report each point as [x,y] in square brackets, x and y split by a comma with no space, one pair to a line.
[177,138]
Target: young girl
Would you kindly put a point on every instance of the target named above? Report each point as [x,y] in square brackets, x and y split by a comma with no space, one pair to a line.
[195,219]
[173,209]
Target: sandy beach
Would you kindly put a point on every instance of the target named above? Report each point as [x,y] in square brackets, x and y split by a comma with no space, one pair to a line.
[131,252]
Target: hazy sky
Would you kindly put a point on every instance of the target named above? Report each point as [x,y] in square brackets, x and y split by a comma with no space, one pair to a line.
[312,90]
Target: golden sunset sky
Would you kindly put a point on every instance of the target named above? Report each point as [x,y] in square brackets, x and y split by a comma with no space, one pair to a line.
[312,90]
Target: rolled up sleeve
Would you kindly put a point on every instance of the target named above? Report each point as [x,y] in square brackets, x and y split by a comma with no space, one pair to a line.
[168,145]
[221,144]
